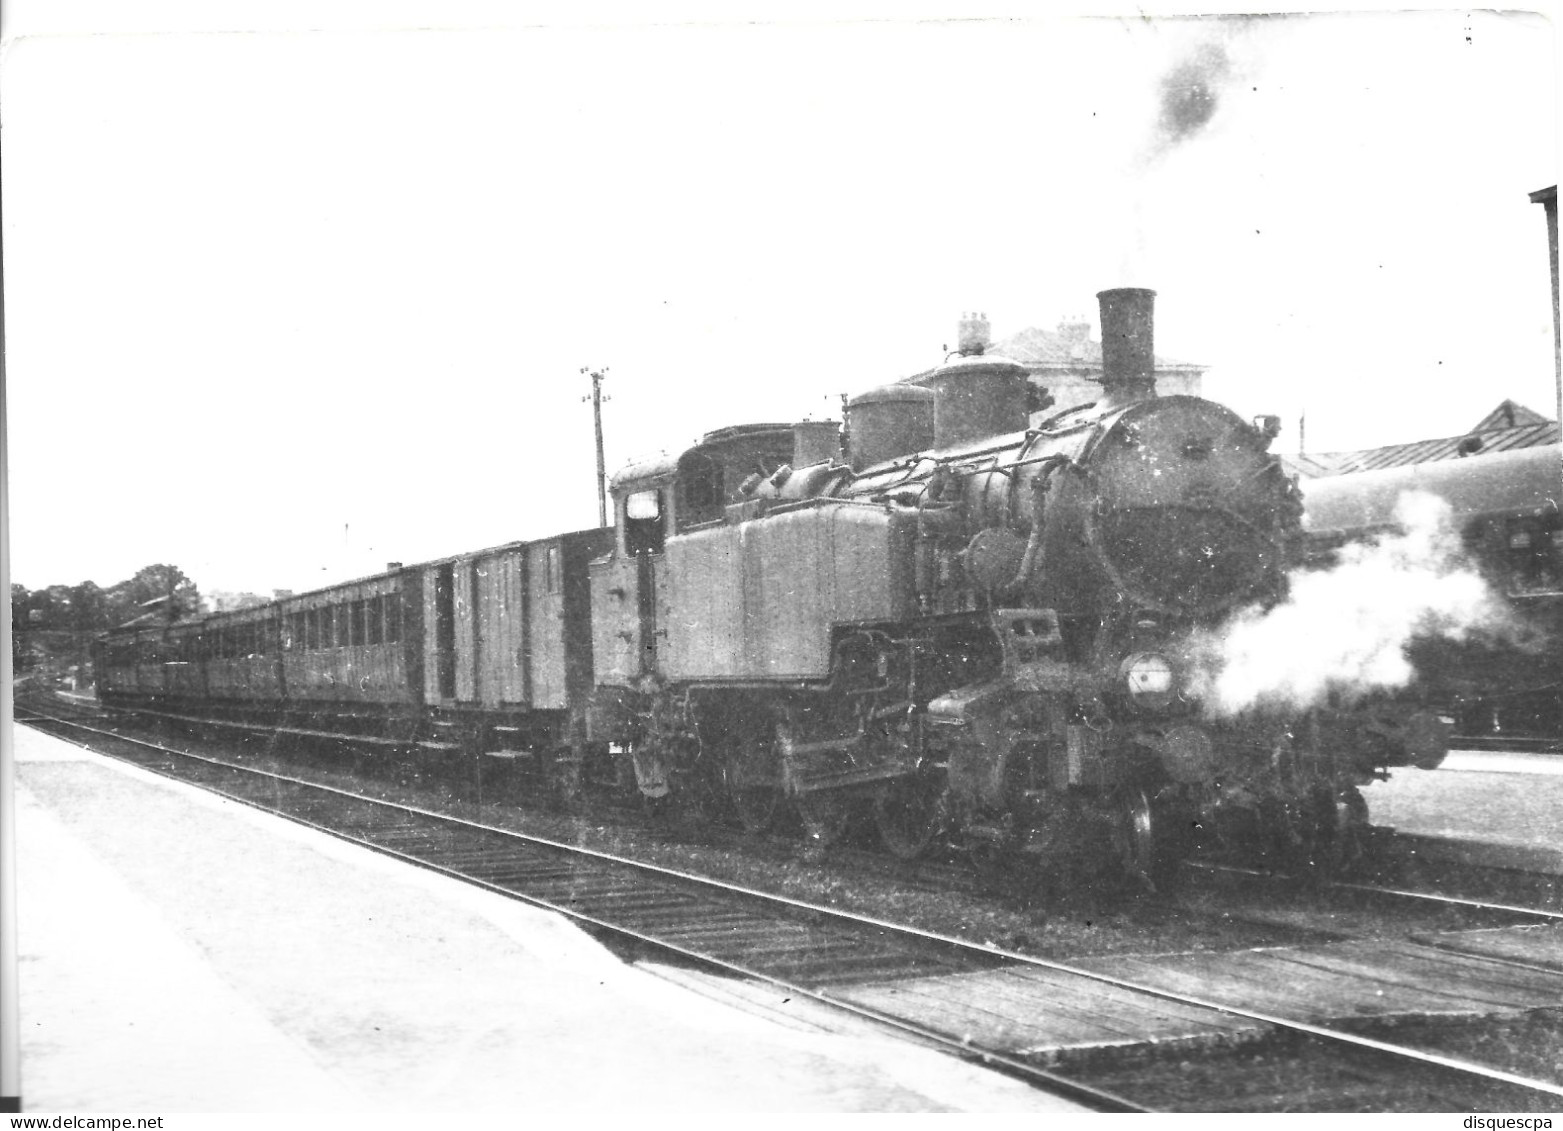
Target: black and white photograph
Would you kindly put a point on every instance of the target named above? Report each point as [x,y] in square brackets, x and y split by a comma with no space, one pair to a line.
[693,559]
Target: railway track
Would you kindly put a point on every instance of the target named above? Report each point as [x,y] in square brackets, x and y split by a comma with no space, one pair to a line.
[1115,1036]
[1508,744]
[1533,912]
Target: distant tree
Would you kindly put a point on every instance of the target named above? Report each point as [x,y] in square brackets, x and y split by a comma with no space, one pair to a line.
[163,584]
[52,629]
[88,618]
[19,655]
[89,613]
[47,608]
[45,635]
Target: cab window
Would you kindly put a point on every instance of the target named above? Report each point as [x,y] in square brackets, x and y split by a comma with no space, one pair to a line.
[644,522]
[700,486]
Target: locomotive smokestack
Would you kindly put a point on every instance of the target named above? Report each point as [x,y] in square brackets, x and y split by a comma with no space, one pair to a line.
[1128,360]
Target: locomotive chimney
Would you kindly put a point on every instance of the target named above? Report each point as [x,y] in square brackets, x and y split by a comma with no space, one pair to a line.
[1128,360]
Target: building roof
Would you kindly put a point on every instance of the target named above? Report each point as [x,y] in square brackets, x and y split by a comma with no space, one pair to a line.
[1509,414]
[1069,348]
[1494,433]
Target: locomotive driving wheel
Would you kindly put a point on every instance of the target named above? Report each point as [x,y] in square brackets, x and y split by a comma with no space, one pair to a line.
[825,815]
[1134,834]
[909,815]
[752,771]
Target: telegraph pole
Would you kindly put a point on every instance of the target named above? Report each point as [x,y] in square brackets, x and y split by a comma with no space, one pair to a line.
[602,473]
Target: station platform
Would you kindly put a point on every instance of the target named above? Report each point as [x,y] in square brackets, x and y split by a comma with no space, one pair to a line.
[1483,808]
[184,953]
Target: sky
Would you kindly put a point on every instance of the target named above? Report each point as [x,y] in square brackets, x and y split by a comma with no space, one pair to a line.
[295,290]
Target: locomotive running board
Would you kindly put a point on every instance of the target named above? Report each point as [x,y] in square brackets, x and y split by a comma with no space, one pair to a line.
[819,782]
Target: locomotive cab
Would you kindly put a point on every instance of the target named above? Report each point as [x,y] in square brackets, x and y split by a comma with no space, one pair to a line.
[623,583]
[665,497]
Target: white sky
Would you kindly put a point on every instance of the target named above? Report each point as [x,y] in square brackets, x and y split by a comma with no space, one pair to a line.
[293,290]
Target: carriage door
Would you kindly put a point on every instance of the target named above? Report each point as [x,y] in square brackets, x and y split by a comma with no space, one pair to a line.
[440,612]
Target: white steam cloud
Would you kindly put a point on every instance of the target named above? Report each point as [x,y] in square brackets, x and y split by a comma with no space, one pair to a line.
[1187,97]
[1191,94]
[1345,630]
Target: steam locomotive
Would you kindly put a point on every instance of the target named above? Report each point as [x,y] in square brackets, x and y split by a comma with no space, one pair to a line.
[974,629]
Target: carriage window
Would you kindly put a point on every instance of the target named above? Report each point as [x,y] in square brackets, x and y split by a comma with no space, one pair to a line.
[553,569]
[393,618]
[376,625]
[1535,555]
[643,522]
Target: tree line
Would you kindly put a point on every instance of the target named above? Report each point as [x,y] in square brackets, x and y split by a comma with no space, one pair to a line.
[53,628]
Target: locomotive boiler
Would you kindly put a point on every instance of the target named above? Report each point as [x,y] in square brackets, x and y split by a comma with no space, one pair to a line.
[976,628]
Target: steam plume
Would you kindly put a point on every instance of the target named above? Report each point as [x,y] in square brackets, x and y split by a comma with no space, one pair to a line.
[1345,630]
[1191,95]
[1188,97]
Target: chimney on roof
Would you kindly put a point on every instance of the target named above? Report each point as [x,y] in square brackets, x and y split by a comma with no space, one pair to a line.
[1075,334]
[974,338]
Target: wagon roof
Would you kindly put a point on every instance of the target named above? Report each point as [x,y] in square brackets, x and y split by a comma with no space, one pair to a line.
[1523,481]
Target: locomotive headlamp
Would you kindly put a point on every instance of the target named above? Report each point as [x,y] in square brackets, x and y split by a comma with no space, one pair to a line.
[1149,679]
